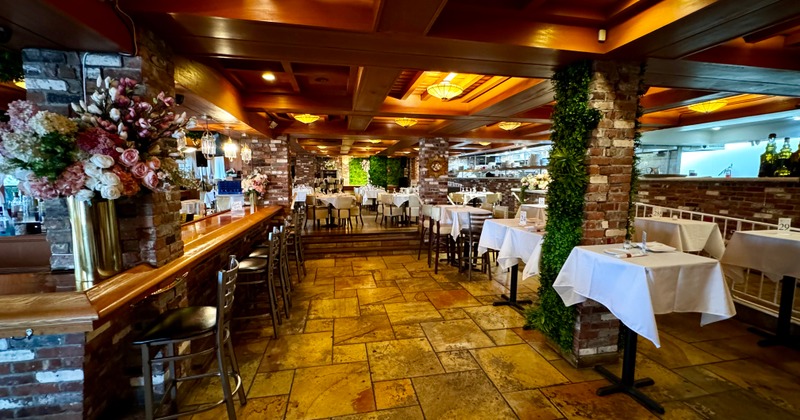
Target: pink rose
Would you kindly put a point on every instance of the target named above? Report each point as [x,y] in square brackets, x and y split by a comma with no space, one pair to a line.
[129,157]
[139,170]
[154,163]
[151,180]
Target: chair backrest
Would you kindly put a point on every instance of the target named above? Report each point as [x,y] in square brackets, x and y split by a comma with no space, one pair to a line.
[458,198]
[413,201]
[300,216]
[226,286]
[476,221]
[500,212]
[487,205]
[426,210]
[532,212]
[492,198]
[385,198]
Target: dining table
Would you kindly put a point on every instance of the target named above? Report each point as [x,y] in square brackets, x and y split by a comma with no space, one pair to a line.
[682,234]
[635,286]
[514,244]
[773,253]
[536,211]
[456,215]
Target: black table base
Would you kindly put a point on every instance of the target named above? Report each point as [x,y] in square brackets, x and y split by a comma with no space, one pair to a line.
[627,384]
[511,300]
[783,335]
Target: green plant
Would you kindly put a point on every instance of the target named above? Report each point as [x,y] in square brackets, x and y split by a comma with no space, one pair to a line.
[357,174]
[635,171]
[573,121]
[377,171]
[11,66]
[394,170]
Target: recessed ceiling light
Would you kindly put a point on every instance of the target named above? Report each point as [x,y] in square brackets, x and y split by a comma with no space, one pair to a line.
[268,76]
[716,128]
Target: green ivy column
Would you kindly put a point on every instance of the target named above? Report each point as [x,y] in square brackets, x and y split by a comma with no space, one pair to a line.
[594,124]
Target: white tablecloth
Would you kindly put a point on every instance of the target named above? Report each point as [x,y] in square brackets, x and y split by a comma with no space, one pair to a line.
[398,199]
[636,289]
[300,194]
[369,194]
[774,253]
[682,234]
[339,201]
[457,216]
[515,243]
[538,211]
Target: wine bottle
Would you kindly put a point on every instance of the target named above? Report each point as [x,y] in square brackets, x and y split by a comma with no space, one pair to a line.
[783,159]
[768,158]
[794,162]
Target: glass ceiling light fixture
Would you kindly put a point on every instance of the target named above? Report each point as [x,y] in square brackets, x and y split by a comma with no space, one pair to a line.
[445,90]
[405,122]
[208,143]
[247,153]
[509,125]
[306,118]
[270,77]
[484,143]
[706,107]
[229,149]
[374,141]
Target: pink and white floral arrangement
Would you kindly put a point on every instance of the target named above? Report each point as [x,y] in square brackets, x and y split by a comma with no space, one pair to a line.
[111,150]
[255,183]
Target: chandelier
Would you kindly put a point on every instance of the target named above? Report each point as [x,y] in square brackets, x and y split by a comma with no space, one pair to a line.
[405,122]
[484,143]
[509,125]
[445,90]
[247,154]
[306,118]
[706,107]
[229,149]
[208,143]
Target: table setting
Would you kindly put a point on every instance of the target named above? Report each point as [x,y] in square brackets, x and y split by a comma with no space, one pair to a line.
[683,234]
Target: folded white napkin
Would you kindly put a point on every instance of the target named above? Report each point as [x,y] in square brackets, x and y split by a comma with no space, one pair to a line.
[656,247]
[625,253]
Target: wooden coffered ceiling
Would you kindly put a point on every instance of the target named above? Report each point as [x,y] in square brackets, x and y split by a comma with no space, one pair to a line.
[360,64]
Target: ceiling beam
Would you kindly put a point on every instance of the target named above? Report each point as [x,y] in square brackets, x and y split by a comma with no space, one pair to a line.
[287,68]
[400,145]
[374,84]
[721,77]
[704,24]
[772,31]
[409,16]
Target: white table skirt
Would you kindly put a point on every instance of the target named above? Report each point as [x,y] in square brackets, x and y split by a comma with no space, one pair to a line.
[456,216]
[682,234]
[774,253]
[636,289]
[515,243]
[339,201]
[370,194]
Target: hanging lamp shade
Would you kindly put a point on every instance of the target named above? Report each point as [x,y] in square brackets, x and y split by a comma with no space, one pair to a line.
[445,90]
[509,125]
[306,118]
[208,143]
[405,122]
[709,106]
[230,150]
[247,154]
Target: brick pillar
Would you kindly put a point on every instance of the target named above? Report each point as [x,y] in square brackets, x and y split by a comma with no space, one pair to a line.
[614,92]
[432,189]
[271,157]
[305,168]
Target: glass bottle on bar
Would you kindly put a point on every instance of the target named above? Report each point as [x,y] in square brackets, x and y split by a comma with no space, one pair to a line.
[768,158]
[783,159]
[794,162]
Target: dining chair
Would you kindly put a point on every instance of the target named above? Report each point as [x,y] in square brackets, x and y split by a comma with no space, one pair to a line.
[413,208]
[439,232]
[487,206]
[493,199]
[355,209]
[500,212]
[467,247]
[458,198]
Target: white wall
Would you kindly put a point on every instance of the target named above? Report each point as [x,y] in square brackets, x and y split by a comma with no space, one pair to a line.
[744,157]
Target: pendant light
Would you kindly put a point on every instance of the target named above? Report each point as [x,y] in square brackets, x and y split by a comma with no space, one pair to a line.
[208,143]
[229,149]
[247,154]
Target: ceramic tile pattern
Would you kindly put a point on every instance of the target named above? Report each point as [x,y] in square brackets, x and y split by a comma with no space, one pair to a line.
[385,338]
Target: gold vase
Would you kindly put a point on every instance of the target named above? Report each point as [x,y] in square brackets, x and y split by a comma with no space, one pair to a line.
[95,240]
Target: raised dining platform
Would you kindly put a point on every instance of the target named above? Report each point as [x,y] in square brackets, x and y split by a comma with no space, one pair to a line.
[76,357]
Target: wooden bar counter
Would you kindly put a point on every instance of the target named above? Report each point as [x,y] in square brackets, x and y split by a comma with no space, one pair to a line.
[80,335]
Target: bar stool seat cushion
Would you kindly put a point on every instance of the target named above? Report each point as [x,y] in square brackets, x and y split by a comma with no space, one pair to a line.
[181,323]
[253,264]
[259,253]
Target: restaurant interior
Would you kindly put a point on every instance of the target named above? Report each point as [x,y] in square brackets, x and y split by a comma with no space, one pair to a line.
[386,209]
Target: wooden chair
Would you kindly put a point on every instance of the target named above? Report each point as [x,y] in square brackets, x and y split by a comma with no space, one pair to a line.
[467,247]
[425,226]
[438,233]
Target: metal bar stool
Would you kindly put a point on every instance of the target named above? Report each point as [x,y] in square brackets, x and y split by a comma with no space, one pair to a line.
[261,270]
[192,324]
[294,237]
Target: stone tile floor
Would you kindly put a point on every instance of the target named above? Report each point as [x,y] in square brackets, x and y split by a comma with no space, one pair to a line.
[386,338]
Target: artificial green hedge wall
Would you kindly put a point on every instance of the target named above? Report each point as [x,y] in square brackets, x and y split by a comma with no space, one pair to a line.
[377,171]
[394,169]
[357,176]
[573,121]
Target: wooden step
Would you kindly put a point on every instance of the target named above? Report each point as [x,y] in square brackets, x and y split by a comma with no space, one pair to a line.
[358,244]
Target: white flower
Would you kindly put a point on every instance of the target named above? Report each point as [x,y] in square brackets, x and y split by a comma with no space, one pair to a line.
[107,82]
[84,195]
[76,107]
[110,179]
[181,119]
[110,192]
[112,93]
[82,104]
[92,170]
[47,122]
[97,97]
[95,110]
[92,183]
[114,114]
[99,81]
[102,161]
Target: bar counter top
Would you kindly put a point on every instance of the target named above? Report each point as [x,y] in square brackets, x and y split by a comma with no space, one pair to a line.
[50,303]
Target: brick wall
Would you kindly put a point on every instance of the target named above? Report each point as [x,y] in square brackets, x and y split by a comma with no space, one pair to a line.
[150,227]
[305,169]
[763,200]
[271,157]
[614,92]
[432,189]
